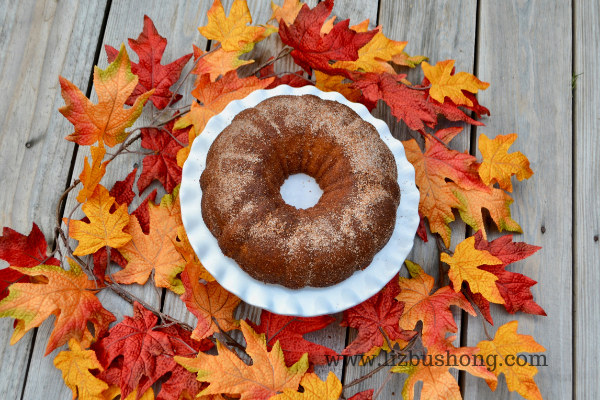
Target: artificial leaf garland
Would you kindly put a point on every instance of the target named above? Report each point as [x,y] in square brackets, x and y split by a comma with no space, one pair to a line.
[353,61]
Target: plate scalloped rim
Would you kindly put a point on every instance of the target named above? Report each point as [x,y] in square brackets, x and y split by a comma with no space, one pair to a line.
[308,301]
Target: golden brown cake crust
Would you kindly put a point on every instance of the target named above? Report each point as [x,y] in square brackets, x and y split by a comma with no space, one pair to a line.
[275,242]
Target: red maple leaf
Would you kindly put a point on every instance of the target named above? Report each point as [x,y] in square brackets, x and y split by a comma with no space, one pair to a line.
[366,395]
[293,80]
[147,353]
[150,47]
[162,165]
[143,214]
[514,287]
[313,51]
[405,104]
[379,313]
[21,251]
[289,331]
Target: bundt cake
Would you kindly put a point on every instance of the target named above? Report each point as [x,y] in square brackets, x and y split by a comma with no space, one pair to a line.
[275,242]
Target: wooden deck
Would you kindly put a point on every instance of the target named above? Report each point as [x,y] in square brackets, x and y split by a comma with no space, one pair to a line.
[528,51]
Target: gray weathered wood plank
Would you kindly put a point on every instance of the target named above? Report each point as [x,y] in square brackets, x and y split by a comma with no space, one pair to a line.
[587,200]
[38,41]
[525,53]
[440,30]
[178,21]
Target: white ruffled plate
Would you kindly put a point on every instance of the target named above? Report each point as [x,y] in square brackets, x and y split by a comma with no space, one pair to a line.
[308,301]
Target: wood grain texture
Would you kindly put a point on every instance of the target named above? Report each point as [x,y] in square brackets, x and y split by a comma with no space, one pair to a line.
[526,56]
[440,30]
[178,21]
[587,199]
[38,41]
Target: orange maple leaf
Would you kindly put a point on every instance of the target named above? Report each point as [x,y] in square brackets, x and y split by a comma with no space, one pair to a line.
[214,97]
[156,252]
[68,295]
[506,345]
[373,56]
[208,302]
[104,229]
[106,121]
[227,373]
[497,202]
[231,31]
[195,268]
[314,389]
[75,366]
[463,267]
[432,309]
[498,165]
[92,173]
[334,83]
[438,383]
[432,168]
[444,84]
[218,62]
[289,11]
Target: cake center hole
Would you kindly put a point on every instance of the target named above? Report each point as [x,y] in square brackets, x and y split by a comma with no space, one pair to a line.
[301,191]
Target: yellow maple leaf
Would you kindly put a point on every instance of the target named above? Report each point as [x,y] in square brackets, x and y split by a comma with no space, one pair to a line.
[113,391]
[68,295]
[104,229]
[443,84]
[498,165]
[155,252]
[231,31]
[75,366]
[463,267]
[92,173]
[227,373]
[328,83]
[218,62]
[289,11]
[501,355]
[106,121]
[314,389]
[497,202]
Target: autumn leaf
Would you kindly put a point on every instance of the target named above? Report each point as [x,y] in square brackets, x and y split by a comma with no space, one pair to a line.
[227,373]
[377,322]
[438,383]
[408,61]
[373,56]
[311,50]
[75,366]
[314,389]
[445,84]
[196,270]
[138,353]
[92,173]
[327,26]
[155,252]
[22,251]
[464,267]
[364,395]
[288,331]
[150,47]
[68,295]
[498,165]
[497,202]
[104,229]
[432,168]
[421,229]
[113,391]
[293,79]
[106,121]
[287,12]
[219,62]
[405,104]
[231,31]
[162,165]
[208,302]
[504,351]
[514,287]
[328,83]
[432,309]
[214,97]
[142,213]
